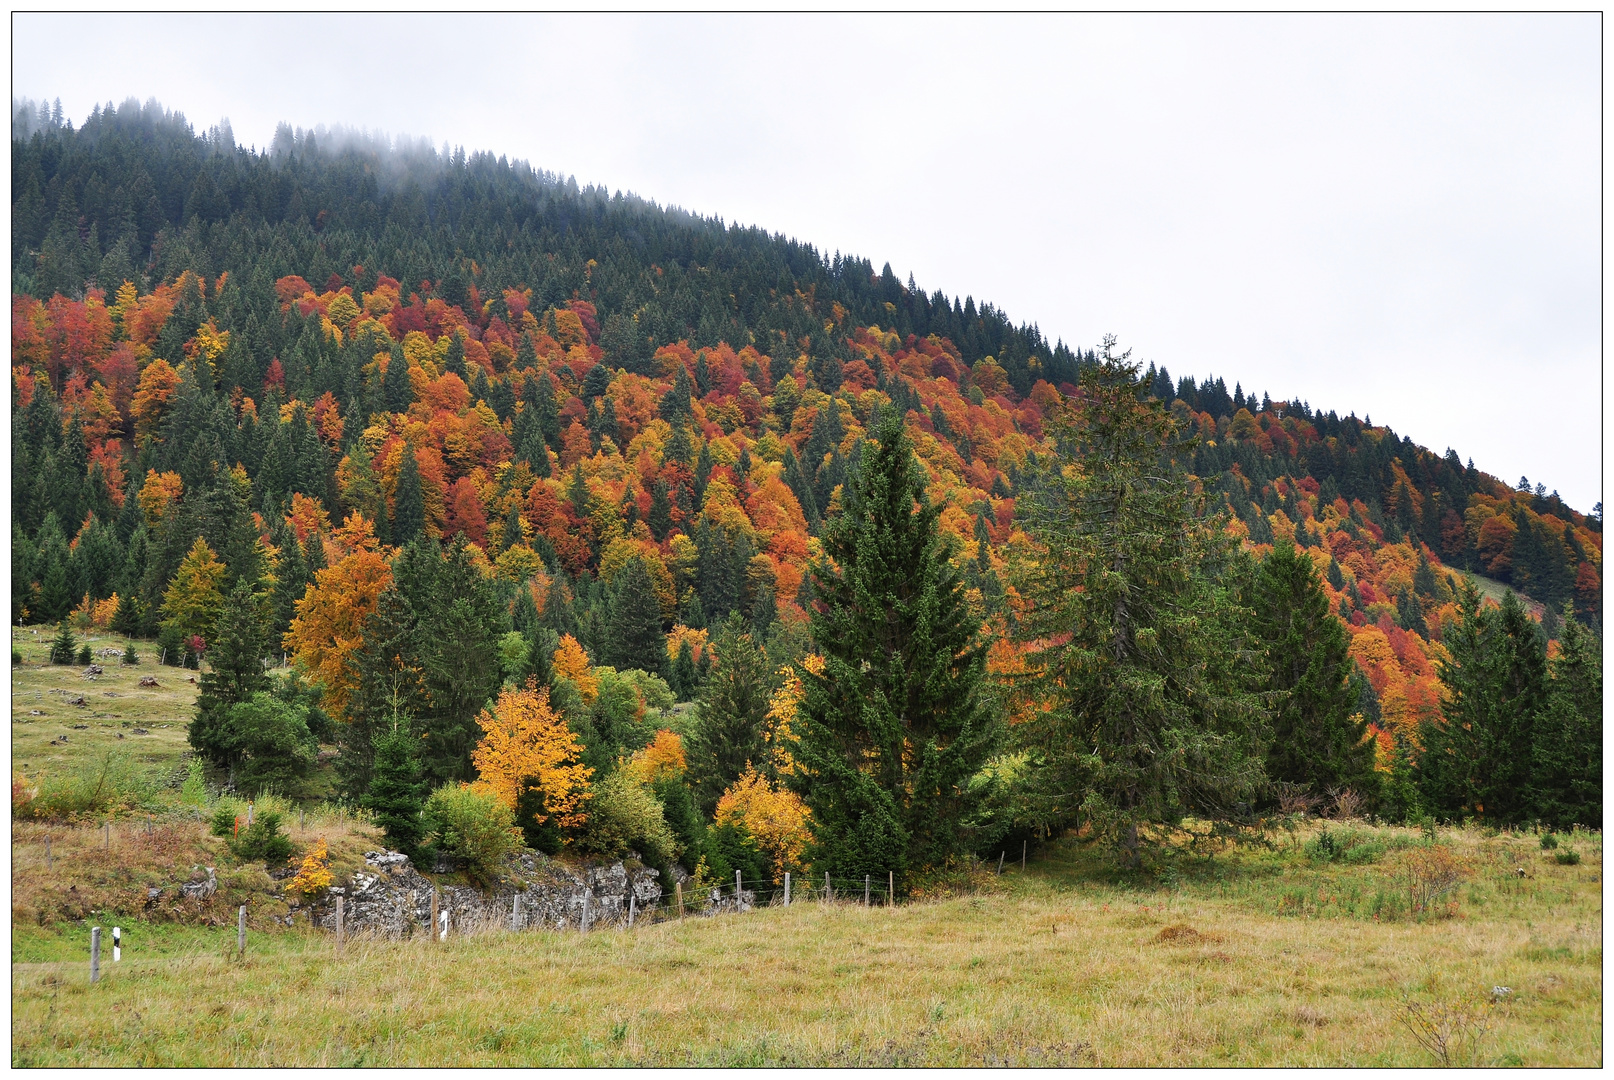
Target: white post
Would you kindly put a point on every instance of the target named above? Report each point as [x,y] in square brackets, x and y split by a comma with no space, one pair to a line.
[249,815]
[117,944]
[442,925]
[95,954]
[585,911]
[787,888]
[633,903]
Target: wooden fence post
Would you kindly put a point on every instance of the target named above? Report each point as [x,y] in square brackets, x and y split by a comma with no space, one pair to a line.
[585,910]
[95,954]
[108,831]
[865,890]
[50,860]
[1023,856]
[1000,861]
[341,924]
[678,893]
[515,912]
[736,890]
[433,930]
[241,929]
[827,887]
[787,888]
[249,815]
[633,899]
[891,889]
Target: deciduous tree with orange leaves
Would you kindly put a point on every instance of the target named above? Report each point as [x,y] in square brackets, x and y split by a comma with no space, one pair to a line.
[328,631]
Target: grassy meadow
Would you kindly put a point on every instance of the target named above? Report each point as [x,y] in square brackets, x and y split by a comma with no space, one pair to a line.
[1258,957]
[1307,951]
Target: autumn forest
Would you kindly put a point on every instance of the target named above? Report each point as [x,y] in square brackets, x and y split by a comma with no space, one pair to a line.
[476,477]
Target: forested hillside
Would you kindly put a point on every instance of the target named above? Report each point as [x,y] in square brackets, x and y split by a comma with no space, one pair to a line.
[278,376]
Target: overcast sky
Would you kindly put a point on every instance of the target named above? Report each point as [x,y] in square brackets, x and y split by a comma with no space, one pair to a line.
[1396,215]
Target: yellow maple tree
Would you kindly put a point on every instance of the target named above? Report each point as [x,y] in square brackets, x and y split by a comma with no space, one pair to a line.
[777,819]
[525,741]
[663,757]
[314,875]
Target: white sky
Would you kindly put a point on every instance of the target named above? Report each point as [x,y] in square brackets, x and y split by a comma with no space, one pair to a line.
[1396,215]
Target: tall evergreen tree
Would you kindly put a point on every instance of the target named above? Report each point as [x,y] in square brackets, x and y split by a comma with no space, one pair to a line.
[1139,652]
[896,723]
[396,793]
[409,505]
[1477,758]
[634,637]
[1566,773]
[1317,738]
[235,672]
[727,733]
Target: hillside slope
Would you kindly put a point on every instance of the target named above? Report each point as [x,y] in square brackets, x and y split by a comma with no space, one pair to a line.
[573,379]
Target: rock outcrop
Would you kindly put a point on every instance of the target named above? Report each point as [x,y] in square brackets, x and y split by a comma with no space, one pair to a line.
[390,898]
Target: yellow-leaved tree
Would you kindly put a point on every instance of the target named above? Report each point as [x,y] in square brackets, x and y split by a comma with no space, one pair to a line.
[526,743]
[192,601]
[663,757]
[329,628]
[571,663]
[777,819]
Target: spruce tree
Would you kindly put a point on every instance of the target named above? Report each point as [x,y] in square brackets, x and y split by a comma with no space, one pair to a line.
[1566,775]
[682,679]
[396,793]
[634,636]
[1317,739]
[896,724]
[1139,652]
[235,662]
[64,647]
[727,733]
[409,504]
[1477,757]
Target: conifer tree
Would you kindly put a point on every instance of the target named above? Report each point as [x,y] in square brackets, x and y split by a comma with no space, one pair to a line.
[733,706]
[634,637]
[235,662]
[396,793]
[1566,775]
[64,647]
[682,679]
[1317,738]
[1477,757]
[409,504]
[895,724]
[1140,658]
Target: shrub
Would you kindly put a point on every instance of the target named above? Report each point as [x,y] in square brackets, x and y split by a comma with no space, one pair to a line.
[624,816]
[1430,873]
[262,841]
[130,656]
[1548,842]
[1567,857]
[64,646]
[314,876]
[1345,846]
[16,657]
[473,826]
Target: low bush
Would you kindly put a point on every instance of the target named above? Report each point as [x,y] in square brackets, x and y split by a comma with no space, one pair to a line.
[474,826]
[106,785]
[1349,846]
[261,841]
[1567,857]
[1548,842]
[624,816]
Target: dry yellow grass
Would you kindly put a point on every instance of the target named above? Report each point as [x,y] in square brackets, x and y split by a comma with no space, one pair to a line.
[1065,967]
